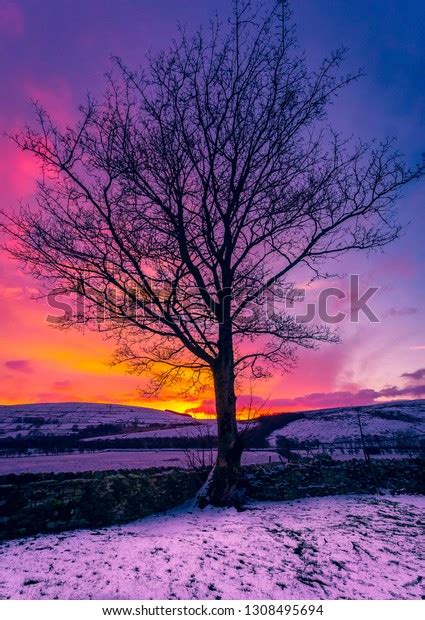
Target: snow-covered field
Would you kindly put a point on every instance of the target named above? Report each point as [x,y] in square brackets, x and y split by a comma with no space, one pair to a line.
[114,459]
[194,429]
[389,420]
[322,548]
[62,418]
[67,418]
[201,429]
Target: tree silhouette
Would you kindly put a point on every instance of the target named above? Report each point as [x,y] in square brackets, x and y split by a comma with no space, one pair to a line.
[192,188]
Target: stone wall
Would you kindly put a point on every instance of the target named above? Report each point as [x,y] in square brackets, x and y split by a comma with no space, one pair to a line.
[36,503]
[323,476]
[33,503]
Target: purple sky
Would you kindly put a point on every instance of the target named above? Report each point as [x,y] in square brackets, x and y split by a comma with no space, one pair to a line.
[55,52]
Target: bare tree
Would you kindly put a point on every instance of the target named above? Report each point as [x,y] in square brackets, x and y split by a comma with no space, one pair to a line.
[190,190]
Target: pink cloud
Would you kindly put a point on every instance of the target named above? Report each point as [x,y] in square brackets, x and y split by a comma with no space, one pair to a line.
[318,400]
[61,385]
[401,311]
[416,375]
[19,366]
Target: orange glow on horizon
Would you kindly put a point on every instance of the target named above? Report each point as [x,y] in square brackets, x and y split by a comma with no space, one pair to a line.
[40,364]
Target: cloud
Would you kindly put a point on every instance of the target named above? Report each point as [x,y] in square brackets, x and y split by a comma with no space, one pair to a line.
[401,311]
[413,391]
[19,366]
[417,375]
[61,385]
[317,400]
[47,397]
[323,400]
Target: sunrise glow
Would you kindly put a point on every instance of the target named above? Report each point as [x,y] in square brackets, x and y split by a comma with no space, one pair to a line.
[373,361]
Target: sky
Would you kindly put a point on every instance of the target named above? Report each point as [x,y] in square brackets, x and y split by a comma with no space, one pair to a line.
[55,52]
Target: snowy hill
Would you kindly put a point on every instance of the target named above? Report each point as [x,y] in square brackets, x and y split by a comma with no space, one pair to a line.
[387,421]
[65,418]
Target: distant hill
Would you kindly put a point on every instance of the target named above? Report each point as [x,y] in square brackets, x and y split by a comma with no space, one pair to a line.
[66,418]
[94,421]
[392,420]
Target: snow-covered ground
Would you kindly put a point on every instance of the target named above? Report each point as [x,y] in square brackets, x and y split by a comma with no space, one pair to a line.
[194,429]
[197,429]
[65,418]
[61,418]
[388,421]
[322,548]
[115,459]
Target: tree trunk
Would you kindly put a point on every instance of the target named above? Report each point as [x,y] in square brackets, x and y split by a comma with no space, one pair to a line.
[221,488]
